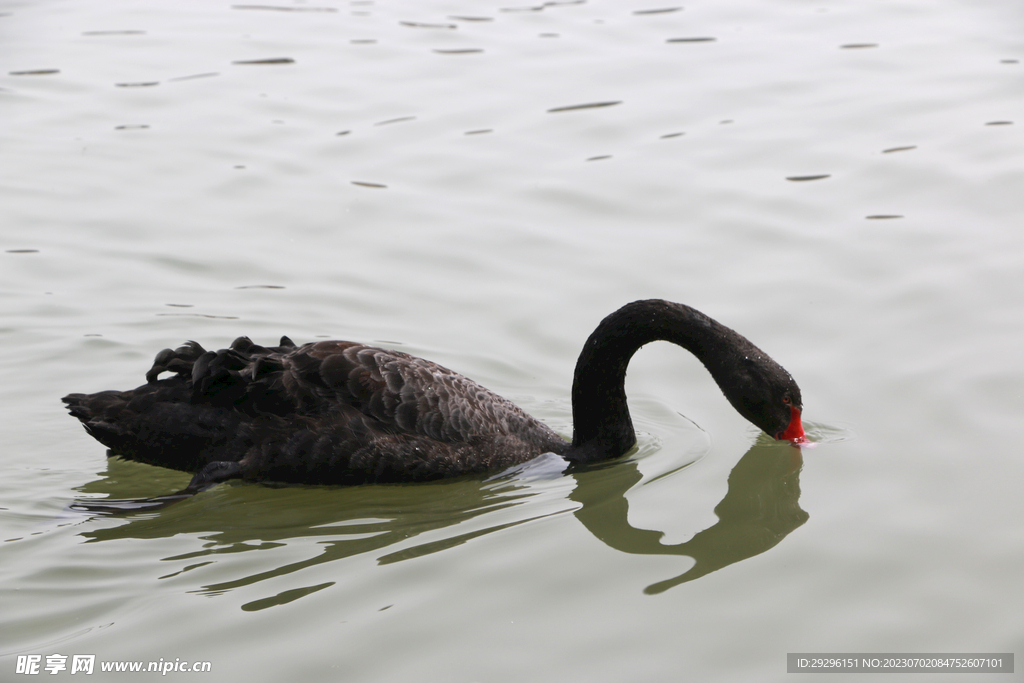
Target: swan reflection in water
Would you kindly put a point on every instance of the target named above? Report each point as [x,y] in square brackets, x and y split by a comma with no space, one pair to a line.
[760,508]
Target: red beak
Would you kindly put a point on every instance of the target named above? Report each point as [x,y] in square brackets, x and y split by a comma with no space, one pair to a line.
[795,431]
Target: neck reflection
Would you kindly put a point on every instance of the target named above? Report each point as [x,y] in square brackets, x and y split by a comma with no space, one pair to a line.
[760,508]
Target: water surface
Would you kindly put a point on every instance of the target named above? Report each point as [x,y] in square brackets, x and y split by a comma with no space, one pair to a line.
[480,183]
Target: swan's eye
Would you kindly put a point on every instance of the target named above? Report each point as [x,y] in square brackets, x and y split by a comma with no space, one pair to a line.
[787,400]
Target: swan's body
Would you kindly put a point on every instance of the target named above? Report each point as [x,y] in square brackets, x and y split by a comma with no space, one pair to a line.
[336,412]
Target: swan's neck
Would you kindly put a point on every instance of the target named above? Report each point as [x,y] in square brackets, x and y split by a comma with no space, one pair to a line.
[602,427]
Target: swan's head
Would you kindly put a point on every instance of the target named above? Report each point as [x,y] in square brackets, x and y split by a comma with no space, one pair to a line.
[768,397]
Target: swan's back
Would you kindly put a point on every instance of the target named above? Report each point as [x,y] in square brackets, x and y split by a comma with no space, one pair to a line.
[329,412]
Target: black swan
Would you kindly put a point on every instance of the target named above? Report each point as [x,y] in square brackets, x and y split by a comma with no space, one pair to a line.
[335,412]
